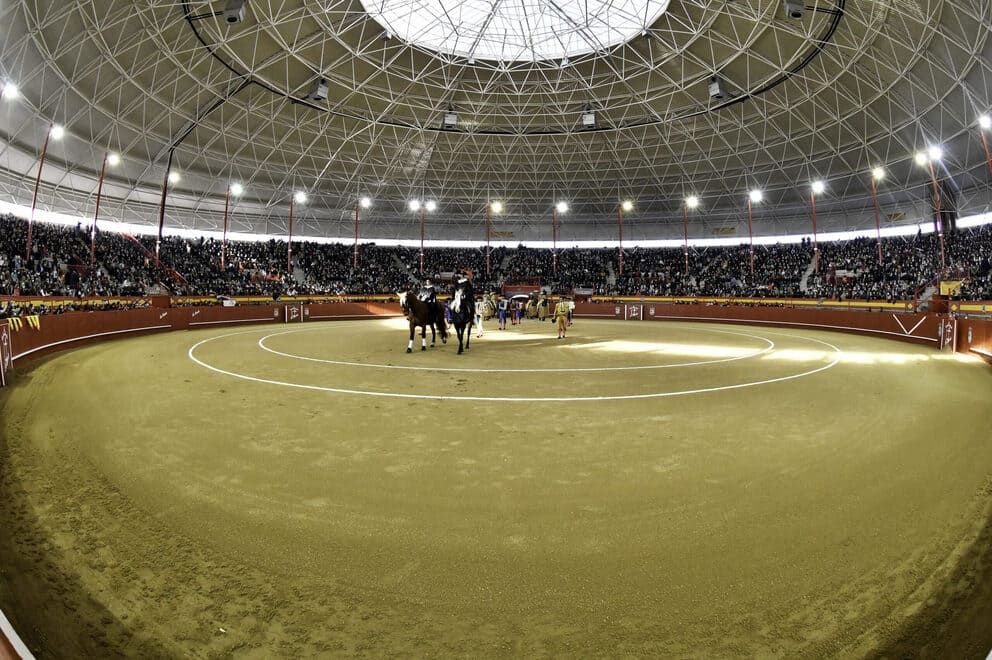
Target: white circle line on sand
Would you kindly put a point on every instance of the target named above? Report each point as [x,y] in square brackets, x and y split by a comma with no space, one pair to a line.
[769,347]
[534,399]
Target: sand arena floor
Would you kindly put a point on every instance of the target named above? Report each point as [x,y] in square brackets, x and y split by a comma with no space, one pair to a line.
[646,489]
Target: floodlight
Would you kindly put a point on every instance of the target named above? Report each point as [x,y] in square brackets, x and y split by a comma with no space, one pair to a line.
[984,121]
[921,158]
[818,187]
[627,205]
[755,195]
[237,189]
[414,205]
[497,207]
[935,153]
[561,207]
[57,132]
[300,197]
[691,201]
[10,91]
[113,159]
[365,202]
[174,176]
[878,174]
[431,206]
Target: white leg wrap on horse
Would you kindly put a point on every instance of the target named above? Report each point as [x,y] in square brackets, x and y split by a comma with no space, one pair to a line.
[409,344]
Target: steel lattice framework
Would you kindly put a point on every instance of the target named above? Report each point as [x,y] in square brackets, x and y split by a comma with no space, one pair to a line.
[848,87]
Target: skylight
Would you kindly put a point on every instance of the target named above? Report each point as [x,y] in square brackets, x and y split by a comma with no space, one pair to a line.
[516,30]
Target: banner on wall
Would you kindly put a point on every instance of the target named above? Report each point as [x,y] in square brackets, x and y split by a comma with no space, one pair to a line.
[950,288]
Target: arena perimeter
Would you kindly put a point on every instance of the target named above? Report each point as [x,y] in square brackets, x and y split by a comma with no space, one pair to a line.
[647,489]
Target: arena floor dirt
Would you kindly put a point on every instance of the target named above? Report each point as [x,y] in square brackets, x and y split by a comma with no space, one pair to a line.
[659,489]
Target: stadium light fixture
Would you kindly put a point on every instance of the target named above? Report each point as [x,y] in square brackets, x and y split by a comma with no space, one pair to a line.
[300,197]
[691,201]
[935,152]
[10,91]
[878,174]
[627,205]
[174,176]
[113,159]
[431,206]
[921,158]
[818,187]
[561,207]
[496,207]
[414,204]
[58,132]
[365,202]
[984,121]
[755,195]
[237,189]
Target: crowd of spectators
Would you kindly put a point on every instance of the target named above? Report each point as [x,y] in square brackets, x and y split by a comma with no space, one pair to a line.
[60,265]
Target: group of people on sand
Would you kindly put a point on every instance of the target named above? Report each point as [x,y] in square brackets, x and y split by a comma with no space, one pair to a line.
[505,308]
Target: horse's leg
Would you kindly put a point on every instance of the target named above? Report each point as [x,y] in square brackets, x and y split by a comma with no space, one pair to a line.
[409,344]
[459,330]
[468,335]
[423,337]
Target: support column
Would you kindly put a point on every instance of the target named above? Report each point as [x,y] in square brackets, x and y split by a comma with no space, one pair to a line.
[37,185]
[96,212]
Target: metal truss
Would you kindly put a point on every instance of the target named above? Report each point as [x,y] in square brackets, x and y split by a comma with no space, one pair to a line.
[849,87]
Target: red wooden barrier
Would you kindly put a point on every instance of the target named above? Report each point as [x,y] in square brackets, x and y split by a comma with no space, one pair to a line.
[919,328]
[975,337]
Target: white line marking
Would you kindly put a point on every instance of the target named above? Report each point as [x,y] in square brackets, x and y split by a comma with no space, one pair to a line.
[769,342]
[918,323]
[20,648]
[900,324]
[811,325]
[273,319]
[99,334]
[439,397]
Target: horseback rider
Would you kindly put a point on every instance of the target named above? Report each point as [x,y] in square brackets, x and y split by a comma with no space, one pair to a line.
[465,284]
[428,294]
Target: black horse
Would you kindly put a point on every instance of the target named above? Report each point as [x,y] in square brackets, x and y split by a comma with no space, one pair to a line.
[421,315]
[463,316]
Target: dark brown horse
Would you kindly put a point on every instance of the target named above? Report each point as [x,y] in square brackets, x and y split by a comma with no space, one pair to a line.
[421,315]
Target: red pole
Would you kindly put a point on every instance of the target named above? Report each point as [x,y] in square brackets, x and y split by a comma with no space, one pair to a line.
[289,247]
[985,145]
[685,237]
[223,244]
[354,263]
[554,240]
[620,228]
[750,234]
[816,244]
[878,222]
[96,213]
[940,219]
[421,239]
[488,232]
[37,184]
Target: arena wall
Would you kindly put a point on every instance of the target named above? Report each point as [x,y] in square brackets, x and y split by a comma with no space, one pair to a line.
[975,337]
[32,337]
[918,328]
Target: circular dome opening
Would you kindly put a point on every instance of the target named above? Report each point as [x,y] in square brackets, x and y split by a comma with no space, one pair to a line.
[516,30]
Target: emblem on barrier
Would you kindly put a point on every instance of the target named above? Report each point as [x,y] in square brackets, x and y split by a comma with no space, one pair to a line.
[651,310]
[5,353]
[616,310]
[969,336]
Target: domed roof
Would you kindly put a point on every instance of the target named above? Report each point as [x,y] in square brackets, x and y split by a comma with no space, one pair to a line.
[643,99]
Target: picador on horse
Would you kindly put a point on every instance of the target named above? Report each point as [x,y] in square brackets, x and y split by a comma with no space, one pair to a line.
[463,309]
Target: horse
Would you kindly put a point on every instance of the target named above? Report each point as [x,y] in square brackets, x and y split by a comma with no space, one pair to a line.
[421,315]
[463,316]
